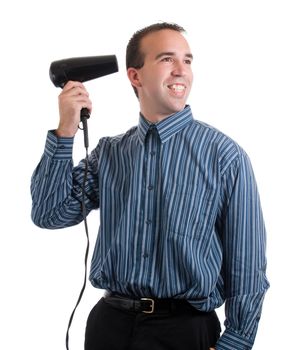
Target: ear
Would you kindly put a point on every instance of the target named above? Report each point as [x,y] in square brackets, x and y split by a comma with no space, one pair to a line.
[133,77]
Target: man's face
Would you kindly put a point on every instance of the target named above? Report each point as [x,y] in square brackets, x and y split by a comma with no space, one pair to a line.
[165,80]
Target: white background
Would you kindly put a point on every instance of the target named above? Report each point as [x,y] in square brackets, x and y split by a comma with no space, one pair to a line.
[249,83]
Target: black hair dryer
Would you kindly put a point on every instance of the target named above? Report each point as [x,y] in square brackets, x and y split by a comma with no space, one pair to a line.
[82,69]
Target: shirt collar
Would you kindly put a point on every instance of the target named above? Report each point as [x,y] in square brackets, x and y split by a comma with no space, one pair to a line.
[167,127]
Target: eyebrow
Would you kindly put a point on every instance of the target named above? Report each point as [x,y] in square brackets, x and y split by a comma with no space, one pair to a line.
[161,54]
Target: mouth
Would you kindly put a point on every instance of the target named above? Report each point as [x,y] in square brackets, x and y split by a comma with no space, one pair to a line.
[177,88]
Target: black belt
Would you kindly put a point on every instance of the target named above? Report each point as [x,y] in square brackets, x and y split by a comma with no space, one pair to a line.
[145,305]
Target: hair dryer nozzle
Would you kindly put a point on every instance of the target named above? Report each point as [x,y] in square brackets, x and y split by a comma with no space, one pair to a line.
[82,69]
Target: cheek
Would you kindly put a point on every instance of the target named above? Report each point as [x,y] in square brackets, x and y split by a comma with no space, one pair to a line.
[155,79]
[190,75]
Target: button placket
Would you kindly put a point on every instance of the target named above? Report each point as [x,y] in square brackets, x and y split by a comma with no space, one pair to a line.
[149,197]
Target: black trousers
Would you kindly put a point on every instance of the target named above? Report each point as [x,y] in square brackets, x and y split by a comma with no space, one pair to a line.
[110,328]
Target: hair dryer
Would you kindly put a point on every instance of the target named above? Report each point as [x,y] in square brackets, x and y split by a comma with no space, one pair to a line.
[82,69]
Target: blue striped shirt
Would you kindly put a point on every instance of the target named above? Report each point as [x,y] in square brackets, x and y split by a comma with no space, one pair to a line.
[180,217]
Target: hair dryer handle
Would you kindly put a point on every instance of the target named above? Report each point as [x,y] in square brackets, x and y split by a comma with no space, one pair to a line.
[84,116]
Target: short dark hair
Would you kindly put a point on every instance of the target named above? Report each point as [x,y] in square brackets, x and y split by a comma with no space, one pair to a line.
[134,56]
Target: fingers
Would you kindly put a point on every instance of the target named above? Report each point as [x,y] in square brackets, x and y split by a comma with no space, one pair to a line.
[71,84]
[71,100]
[74,88]
[75,94]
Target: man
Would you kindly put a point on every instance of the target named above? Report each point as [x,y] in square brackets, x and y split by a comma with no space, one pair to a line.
[181,228]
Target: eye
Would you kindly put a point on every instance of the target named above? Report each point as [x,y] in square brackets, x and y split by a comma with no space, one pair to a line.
[167,59]
[188,61]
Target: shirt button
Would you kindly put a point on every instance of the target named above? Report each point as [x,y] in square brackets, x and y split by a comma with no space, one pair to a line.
[148,222]
[152,153]
[150,187]
[145,255]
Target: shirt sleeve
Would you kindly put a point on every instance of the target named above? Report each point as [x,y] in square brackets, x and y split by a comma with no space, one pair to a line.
[244,262]
[56,186]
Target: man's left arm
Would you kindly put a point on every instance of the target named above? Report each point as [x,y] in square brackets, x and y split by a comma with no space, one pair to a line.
[244,262]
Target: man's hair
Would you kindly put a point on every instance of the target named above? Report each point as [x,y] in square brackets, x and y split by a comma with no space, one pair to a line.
[134,56]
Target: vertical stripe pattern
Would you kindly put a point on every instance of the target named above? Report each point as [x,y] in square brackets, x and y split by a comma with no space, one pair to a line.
[180,217]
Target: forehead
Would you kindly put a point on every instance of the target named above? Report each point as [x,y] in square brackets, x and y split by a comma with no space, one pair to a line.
[165,40]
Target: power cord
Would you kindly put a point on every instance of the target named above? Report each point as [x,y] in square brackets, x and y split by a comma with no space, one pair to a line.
[84,213]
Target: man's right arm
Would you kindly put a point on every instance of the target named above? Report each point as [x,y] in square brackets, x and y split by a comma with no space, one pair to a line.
[56,185]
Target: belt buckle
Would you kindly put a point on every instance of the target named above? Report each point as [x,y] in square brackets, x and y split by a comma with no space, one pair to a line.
[152,305]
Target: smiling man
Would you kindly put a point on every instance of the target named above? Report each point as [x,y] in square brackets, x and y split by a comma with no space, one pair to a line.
[164,81]
[181,227]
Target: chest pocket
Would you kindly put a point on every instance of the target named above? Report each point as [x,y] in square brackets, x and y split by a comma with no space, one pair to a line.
[189,210]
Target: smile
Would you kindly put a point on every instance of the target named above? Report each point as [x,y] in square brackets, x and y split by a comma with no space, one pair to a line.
[177,87]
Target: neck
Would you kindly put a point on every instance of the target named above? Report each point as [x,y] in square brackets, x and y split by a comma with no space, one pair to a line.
[156,118]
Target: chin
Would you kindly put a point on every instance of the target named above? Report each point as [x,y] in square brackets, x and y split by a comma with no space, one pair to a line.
[178,107]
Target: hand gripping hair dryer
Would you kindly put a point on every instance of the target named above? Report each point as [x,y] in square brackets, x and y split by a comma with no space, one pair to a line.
[82,69]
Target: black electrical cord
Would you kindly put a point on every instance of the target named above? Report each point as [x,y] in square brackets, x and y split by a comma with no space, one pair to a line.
[84,213]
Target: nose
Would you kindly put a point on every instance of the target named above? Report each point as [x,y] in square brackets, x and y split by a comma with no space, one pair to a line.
[179,69]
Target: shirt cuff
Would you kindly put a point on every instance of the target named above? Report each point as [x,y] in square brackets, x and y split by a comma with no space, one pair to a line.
[231,340]
[59,148]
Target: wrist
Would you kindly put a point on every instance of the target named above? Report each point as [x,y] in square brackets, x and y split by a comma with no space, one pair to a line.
[64,132]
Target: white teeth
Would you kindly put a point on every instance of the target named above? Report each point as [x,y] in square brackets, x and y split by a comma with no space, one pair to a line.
[177,87]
